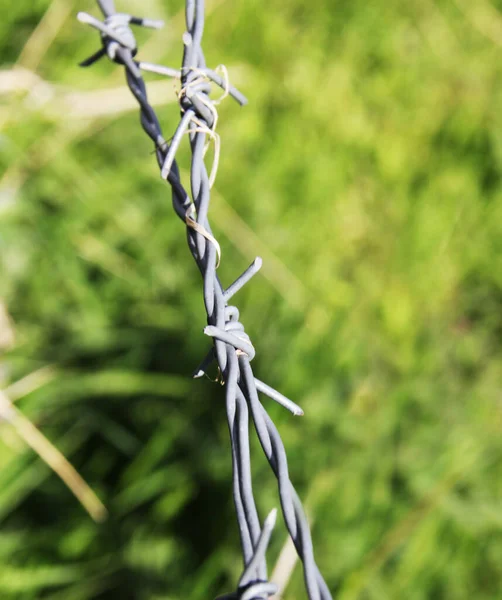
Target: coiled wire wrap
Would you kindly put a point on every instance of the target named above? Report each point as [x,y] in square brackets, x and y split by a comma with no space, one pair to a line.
[232,347]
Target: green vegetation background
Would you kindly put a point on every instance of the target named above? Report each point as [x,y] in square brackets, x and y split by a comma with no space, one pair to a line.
[366,173]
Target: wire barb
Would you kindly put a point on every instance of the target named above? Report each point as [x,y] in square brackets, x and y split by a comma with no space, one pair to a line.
[232,348]
[117,38]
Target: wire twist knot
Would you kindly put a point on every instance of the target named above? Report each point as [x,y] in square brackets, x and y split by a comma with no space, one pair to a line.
[251,585]
[256,591]
[117,39]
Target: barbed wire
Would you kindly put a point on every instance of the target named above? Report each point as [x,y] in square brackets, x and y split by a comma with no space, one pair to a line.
[232,348]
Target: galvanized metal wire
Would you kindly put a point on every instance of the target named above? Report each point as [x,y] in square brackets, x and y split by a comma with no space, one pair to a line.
[231,348]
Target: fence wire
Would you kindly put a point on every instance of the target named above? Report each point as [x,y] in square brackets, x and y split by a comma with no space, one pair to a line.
[231,348]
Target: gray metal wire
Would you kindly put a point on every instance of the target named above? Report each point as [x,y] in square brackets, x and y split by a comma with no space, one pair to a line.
[232,347]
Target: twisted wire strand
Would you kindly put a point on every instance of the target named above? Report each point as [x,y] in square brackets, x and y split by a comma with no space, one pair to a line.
[232,348]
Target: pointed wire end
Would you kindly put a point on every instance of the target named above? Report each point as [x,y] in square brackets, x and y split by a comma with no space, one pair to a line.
[84,17]
[271,519]
[153,23]
[165,172]
[258,262]
[167,166]
[85,63]
[279,398]
[198,374]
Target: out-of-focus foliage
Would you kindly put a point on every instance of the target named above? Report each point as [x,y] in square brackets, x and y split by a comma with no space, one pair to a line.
[366,172]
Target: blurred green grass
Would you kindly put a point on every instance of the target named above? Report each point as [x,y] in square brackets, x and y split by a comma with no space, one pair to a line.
[366,172]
